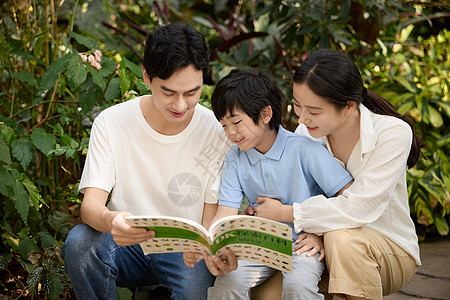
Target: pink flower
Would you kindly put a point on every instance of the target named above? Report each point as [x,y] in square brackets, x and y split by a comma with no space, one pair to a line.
[83,57]
[127,95]
[98,55]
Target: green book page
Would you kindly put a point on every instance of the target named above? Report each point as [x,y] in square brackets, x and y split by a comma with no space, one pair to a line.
[254,239]
[172,234]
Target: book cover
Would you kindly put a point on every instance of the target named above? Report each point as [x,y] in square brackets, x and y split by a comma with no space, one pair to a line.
[251,238]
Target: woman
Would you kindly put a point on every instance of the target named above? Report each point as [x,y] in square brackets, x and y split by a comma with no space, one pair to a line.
[371,246]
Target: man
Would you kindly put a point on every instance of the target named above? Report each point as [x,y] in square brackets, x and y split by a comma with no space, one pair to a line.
[158,154]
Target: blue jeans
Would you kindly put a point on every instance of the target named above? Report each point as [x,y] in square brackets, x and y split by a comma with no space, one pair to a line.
[301,284]
[96,265]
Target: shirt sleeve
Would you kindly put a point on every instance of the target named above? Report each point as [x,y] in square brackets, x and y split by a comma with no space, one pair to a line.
[231,193]
[367,198]
[326,171]
[99,170]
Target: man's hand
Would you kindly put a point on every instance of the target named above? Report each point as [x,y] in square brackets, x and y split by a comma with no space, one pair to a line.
[125,235]
[309,241]
[273,209]
[191,258]
[219,267]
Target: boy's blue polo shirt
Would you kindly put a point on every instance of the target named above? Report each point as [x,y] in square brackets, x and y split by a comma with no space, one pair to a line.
[293,170]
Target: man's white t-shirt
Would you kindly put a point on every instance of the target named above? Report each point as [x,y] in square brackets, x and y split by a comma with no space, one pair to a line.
[150,173]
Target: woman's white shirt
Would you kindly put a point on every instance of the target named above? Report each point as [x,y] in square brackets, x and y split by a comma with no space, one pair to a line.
[378,198]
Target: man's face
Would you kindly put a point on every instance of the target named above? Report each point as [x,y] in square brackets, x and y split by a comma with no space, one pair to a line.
[176,97]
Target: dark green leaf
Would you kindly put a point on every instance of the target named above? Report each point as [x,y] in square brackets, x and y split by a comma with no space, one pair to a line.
[76,73]
[124,82]
[26,246]
[22,149]
[34,277]
[25,77]
[5,155]
[96,77]
[88,42]
[113,90]
[35,196]
[4,261]
[133,68]
[52,73]
[21,200]
[47,241]
[44,141]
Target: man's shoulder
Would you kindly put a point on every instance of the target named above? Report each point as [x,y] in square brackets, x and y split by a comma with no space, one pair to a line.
[115,111]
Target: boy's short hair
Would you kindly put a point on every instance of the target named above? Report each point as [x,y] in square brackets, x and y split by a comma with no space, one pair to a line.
[174,47]
[249,91]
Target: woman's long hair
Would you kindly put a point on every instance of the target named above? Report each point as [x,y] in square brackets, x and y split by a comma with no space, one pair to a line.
[332,75]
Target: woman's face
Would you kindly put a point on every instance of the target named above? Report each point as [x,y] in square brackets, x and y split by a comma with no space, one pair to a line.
[320,117]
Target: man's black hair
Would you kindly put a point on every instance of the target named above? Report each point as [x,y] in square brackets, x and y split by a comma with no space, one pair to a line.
[173,47]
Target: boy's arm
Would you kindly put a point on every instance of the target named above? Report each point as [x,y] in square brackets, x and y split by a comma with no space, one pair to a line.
[223,211]
[209,211]
[95,214]
[344,188]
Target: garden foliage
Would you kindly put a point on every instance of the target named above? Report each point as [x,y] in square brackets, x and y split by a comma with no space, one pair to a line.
[62,62]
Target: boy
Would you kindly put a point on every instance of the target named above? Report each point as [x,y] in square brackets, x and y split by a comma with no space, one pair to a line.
[271,162]
[157,154]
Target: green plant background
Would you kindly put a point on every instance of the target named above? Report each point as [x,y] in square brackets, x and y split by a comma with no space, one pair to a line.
[49,97]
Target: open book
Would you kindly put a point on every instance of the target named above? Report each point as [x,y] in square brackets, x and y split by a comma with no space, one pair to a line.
[251,238]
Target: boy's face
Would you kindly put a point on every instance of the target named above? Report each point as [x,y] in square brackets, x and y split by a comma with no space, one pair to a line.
[319,116]
[242,131]
[175,98]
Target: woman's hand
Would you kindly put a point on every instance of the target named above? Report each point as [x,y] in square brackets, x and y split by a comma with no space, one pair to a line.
[218,266]
[309,241]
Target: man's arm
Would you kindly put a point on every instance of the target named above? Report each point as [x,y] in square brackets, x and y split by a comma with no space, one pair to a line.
[95,214]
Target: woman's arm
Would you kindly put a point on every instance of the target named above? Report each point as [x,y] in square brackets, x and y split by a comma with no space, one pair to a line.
[368,197]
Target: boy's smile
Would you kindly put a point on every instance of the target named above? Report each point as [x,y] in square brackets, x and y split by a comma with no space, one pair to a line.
[242,131]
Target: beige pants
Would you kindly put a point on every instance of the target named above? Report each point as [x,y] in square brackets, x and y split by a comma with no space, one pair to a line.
[361,262]
[364,263]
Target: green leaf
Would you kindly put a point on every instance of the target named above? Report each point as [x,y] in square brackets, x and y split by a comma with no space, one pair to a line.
[405,83]
[22,150]
[52,73]
[134,68]
[444,140]
[113,90]
[96,77]
[5,155]
[21,200]
[4,261]
[6,182]
[441,226]
[124,81]
[88,42]
[8,133]
[25,77]
[44,141]
[123,293]
[89,95]
[47,241]
[26,246]
[76,73]
[33,191]
[435,117]
[34,277]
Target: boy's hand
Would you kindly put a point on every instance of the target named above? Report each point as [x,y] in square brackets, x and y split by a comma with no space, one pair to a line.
[191,258]
[273,209]
[219,267]
[309,241]
[125,235]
